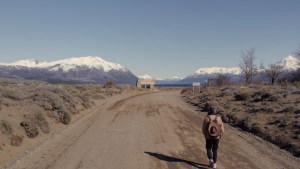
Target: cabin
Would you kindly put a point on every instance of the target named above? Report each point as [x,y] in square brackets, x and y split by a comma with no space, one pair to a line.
[145,83]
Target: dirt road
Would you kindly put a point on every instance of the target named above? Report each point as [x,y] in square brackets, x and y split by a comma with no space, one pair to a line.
[148,131]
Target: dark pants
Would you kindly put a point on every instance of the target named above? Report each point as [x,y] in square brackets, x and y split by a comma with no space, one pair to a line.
[212,149]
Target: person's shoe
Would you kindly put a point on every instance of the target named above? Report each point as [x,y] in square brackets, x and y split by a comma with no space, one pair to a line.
[211,163]
[214,165]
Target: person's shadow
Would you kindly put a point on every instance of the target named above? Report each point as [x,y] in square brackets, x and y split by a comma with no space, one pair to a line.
[176,160]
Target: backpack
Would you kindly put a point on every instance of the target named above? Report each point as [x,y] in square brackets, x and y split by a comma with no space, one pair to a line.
[213,127]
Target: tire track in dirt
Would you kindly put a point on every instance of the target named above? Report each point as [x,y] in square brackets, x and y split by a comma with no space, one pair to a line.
[120,103]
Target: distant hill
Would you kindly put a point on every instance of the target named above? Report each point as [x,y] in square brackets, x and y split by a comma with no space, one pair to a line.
[88,69]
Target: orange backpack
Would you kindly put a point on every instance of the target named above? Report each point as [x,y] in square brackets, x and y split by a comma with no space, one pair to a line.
[213,127]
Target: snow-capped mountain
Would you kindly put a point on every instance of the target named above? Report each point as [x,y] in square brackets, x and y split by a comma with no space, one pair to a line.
[220,70]
[202,74]
[160,81]
[290,63]
[88,69]
[71,64]
[171,80]
[174,78]
[25,63]
[146,77]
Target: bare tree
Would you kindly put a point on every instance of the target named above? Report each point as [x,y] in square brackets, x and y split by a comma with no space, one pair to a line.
[247,65]
[273,71]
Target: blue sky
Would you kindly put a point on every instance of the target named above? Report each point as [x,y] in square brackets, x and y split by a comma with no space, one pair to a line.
[157,37]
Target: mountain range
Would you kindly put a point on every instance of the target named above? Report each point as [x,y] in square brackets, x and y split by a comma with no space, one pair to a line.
[93,69]
[88,69]
[290,63]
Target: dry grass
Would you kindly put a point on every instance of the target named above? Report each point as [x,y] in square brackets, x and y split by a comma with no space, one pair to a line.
[31,108]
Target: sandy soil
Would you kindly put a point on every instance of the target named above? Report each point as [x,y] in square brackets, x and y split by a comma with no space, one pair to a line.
[149,131]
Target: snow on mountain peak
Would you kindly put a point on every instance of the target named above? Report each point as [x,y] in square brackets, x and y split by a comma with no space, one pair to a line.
[89,61]
[176,78]
[290,62]
[71,63]
[146,77]
[26,63]
[218,70]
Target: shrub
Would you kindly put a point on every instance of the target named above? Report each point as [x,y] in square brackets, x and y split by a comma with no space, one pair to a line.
[232,118]
[210,106]
[5,127]
[68,100]
[227,91]
[253,110]
[267,96]
[98,97]
[58,109]
[51,94]
[12,94]
[65,117]
[186,90]
[267,109]
[243,94]
[245,124]
[30,128]
[225,119]
[45,96]
[43,104]
[274,98]
[40,121]
[281,123]
[80,88]
[289,109]
[87,102]
[7,102]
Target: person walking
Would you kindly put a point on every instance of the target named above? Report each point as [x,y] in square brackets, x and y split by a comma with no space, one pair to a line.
[212,129]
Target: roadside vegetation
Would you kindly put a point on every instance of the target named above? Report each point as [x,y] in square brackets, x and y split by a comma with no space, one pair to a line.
[271,112]
[269,109]
[29,109]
